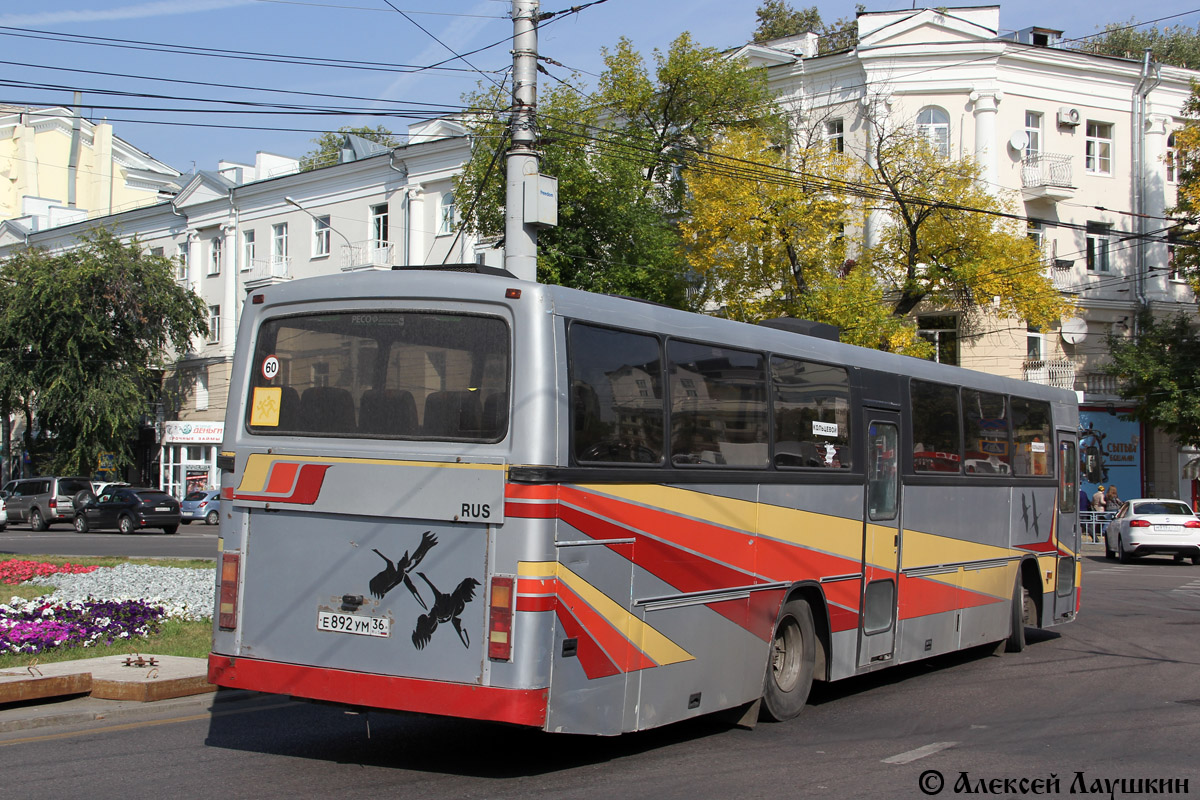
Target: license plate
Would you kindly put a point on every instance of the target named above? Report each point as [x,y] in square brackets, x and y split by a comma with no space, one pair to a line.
[1168,528]
[353,623]
[162,508]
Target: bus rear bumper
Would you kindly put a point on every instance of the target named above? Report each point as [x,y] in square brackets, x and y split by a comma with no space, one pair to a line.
[495,704]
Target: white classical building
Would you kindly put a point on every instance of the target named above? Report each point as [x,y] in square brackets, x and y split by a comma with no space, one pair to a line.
[246,226]
[1084,142]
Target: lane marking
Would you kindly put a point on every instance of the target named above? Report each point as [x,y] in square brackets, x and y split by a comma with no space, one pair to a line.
[129,726]
[920,752]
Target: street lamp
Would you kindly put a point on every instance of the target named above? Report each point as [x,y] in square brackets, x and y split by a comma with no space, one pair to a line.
[292,202]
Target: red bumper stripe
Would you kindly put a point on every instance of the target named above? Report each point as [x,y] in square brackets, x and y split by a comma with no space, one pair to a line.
[516,706]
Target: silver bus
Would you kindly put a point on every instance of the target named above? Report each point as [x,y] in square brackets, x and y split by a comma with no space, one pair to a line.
[468,495]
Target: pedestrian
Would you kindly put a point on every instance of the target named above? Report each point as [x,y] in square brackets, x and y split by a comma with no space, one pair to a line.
[1084,503]
[1098,499]
[1111,501]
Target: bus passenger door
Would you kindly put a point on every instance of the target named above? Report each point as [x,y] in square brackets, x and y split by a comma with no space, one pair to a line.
[1067,528]
[881,539]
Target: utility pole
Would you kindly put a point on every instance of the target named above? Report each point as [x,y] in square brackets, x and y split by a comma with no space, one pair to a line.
[520,239]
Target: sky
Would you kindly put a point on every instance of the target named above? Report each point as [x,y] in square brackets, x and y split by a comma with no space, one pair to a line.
[168,74]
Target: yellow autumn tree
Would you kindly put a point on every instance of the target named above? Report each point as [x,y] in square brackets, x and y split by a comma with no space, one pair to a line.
[946,242]
[1187,199]
[765,232]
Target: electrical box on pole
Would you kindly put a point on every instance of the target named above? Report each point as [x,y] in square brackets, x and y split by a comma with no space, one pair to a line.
[541,201]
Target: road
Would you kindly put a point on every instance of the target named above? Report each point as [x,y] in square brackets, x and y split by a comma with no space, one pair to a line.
[192,541]
[1111,696]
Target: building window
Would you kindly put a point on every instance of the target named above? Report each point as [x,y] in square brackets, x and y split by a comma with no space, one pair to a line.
[1173,271]
[202,390]
[834,135]
[321,232]
[156,251]
[942,333]
[1035,343]
[214,324]
[181,264]
[1036,233]
[1099,235]
[1033,133]
[248,249]
[379,225]
[1098,148]
[1174,160]
[934,124]
[279,243]
[214,260]
[446,225]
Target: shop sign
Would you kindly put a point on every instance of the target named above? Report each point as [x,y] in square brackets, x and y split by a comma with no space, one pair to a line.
[179,432]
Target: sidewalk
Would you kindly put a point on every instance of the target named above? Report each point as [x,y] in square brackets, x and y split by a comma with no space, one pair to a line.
[75,692]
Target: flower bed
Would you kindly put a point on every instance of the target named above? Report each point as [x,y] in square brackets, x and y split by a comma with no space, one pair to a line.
[16,570]
[37,625]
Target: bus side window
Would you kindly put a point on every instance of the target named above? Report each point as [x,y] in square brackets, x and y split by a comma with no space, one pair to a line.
[617,404]
[936,432]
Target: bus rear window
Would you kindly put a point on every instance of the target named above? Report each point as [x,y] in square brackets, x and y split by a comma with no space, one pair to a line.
[381,374]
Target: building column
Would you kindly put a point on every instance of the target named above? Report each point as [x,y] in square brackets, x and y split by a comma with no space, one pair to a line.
[986,105]
[1154,198]
[414,233]
[230,258]
[193,261]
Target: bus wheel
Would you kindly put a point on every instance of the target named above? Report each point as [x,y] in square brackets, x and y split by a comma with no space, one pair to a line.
[1024,612]
[790,666]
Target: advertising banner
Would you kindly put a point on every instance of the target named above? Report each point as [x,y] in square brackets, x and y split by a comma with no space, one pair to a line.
[1110,452]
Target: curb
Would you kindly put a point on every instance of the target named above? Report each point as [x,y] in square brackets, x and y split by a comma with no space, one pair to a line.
[82,710]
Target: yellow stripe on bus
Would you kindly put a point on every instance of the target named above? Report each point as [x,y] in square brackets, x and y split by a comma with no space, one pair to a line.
[658,647]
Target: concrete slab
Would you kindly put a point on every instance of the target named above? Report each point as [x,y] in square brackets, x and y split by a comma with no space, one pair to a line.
[137,678]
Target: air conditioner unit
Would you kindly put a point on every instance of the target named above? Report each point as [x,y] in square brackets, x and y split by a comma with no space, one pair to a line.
[1068,116]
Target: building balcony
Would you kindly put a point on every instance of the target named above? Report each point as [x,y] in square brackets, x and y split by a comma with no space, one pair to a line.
[1098,386]
[1060,274]
[373,254]
[266,271]
[1059,373]
[1046,176]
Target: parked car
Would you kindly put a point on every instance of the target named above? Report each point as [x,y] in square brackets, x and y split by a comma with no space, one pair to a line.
[43,501]
[129,509]
[205,505]
[1152,525]
[3,514]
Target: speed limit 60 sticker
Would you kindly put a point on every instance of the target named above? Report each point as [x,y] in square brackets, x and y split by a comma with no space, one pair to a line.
[270,367]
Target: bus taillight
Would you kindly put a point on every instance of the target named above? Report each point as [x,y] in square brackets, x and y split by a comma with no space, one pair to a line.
[229,591]
[500,619]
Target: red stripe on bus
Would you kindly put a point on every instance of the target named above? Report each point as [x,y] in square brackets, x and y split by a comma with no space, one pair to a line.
[732,547]
[539,602]
[283,475]
[593,660]
[516,706]
[308,487]
[627,656]
[522,491]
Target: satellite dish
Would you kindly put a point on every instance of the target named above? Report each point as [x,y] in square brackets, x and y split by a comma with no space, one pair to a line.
[1018,141]
[1073,330]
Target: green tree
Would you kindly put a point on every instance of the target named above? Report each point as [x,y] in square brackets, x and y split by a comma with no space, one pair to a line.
[84,335]
[1158,371]
[777,18]
[1177,45]
[329,145]
[618,158]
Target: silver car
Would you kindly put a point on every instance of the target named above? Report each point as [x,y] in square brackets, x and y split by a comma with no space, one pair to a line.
[1150,525]
[201,505]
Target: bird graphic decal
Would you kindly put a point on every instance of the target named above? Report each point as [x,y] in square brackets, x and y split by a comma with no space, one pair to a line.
[446,608]
[397,573]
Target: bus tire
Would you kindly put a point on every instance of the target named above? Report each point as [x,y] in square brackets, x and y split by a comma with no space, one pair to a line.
[1024,611]
[790,663]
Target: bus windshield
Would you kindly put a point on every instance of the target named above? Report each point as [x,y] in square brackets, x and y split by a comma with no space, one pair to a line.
[381,374]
